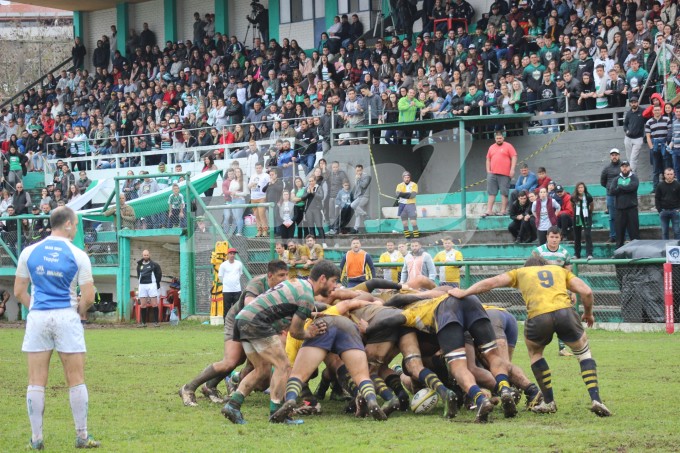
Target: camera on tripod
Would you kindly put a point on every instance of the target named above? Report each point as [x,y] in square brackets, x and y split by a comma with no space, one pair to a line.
[255,8]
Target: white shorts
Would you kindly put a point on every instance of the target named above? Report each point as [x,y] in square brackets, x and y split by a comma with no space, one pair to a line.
[60,329]
[148,290]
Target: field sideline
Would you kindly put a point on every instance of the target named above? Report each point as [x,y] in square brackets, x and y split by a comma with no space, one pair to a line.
[133,376]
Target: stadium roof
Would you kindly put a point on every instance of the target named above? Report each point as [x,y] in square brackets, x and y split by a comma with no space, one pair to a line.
[445,123]
[79,5]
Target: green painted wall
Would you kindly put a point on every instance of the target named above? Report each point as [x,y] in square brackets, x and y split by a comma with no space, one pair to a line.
[123,26]
[170,19]
[222,16]
[78,23]
[274,18]
[331,12]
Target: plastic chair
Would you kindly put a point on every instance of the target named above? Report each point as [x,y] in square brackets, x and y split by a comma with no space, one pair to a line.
[449,23]
[164,315]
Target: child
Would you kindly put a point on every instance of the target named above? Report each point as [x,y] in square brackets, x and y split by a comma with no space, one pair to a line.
[176,208]
[343,202]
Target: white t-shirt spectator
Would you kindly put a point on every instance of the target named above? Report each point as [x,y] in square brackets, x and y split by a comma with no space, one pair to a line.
[260,181]
[230,276]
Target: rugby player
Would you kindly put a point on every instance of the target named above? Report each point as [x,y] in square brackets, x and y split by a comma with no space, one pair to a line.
[342,338]
[449,317]
[544,289]
[277,271]
[258,325]
[54,266]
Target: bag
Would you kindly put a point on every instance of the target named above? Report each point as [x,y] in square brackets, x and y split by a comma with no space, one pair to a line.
[174,319]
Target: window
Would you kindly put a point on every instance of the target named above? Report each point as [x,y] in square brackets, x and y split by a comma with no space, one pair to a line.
[301,10]
[352,6]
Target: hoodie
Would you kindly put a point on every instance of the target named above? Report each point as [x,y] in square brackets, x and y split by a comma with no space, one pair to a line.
[649,111]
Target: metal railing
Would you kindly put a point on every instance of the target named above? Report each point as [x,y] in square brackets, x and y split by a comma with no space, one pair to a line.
[36,82]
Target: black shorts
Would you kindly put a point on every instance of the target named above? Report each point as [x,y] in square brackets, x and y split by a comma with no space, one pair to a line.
[390,335]
[464,312]
[504,326]
[341,335]
[245,330]
[564,322]
[407,211]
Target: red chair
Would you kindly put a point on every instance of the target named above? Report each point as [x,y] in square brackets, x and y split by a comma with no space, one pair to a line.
[449,23]
[164,309]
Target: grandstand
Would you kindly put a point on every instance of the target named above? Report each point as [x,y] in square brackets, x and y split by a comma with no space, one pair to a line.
[447,164]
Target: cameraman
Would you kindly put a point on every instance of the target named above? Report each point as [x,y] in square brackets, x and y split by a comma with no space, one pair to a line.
[259,17]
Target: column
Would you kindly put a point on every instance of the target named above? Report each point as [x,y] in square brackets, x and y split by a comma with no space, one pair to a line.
[222,17]
[170,19]
[123,26]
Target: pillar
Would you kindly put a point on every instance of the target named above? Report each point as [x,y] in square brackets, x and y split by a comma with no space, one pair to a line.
[274,19]
[331,12]
[170,19]
[222,17]
[123,26]
[78,24]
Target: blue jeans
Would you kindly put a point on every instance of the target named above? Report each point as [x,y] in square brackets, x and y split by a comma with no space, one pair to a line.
[667,216]
[550,122]
[233,218]
[308,161]
[656,155]
[611,207]
[676,162]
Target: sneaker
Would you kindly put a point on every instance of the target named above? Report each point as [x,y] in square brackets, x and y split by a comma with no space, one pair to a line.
[156,324]
[142,325]
[212,394]
[483,411]
[508,403]
[37,445]
[188,397]
[87,443]
[599,409]
[375,411]
[545,408]
[610,241]
[565,353]
[332,232]
[233,415]
[281,415]
[450,405]
[390,406]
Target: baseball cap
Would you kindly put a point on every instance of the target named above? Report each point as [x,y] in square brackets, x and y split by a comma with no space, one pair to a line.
[187,70]
[625,162]
[35,206]
[634,99]
[559,189]
[232,250]
[471,46]
[558,78]
[426,35]
[614,151]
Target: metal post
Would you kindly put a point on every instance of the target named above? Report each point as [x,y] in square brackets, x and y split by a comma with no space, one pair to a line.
[187,257]
[461,150]
[116,189]
[123,277]
[270,218]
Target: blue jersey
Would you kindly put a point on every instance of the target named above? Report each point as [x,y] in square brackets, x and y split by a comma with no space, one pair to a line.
[55,267]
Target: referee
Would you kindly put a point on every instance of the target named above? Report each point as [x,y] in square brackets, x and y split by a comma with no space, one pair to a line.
[149,275]
[54,267]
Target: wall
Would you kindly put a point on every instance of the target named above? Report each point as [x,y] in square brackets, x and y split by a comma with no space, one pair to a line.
[151,13]
[97,24]
[185,16]
[167,258]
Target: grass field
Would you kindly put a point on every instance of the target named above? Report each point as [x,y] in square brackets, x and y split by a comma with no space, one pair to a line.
[133,376]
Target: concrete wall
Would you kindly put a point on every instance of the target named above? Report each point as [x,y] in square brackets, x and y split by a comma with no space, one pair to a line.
[151,13]
[165,253]
[185,15]
[97,24]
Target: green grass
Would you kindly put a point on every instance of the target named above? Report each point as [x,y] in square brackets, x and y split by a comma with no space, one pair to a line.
[133,376]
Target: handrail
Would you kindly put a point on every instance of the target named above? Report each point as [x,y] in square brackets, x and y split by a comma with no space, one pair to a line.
[244,126]
[520,262]
[28,87]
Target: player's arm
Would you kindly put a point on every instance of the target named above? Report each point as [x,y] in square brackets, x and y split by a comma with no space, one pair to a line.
[297,328]
[348,305]
[21,291]
[582,289]
[499,281]
[87,294]
[381,283]
[402,300]
[395,319]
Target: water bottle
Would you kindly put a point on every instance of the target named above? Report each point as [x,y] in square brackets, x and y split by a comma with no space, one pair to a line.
[174,319]
[423,212]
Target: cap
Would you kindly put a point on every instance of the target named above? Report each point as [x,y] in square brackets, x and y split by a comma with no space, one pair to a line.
[200,218]
[634,99]
[472,46]
[172,120]
[614,151]
[558,78]
[626,163]
[406,173]
[187,70]
[559,189]
[35,206]
[232,250]
[426,35]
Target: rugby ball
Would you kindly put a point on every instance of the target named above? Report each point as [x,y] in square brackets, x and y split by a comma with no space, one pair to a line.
[424,401]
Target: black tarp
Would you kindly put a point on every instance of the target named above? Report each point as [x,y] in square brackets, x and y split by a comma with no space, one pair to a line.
[642,298]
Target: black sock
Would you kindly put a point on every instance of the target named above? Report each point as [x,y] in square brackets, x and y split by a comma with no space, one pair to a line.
[214,382]
[207,374]
[142,315]
[154,314]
